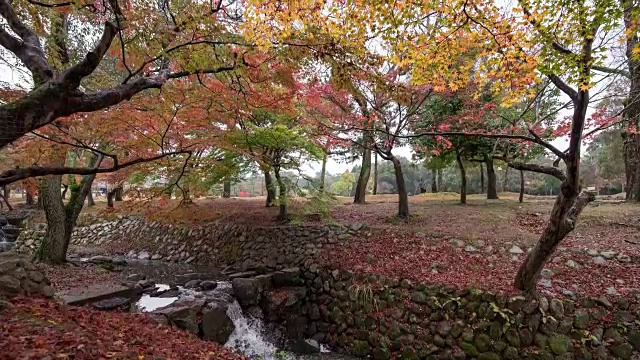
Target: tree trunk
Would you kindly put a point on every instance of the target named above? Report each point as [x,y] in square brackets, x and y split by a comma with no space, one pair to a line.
[403,199]
[434,181]
[53,248]
[375,174]
[440,187]
[481,179]
[186,193]
[271,189]
[90,201]
[323,171]
[632,110]
[61,219]
[505,181]
[492,191]
[521,197]
[64,191]
[463,179]
[29,198]
[284,211]
[363,179]
[226,189]
[110,195]
[118,193]
[6,191]
[568,205]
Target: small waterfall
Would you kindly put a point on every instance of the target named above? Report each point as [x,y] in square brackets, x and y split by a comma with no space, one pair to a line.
[249,336]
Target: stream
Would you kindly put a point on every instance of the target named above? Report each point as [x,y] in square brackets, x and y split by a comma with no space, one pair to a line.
[249,337]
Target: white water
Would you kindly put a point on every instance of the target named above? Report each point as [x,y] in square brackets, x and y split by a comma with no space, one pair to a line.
[148,303]
[248,336]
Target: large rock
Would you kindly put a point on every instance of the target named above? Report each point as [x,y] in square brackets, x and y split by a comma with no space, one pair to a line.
[248,291]
[287,277]
[216,324]
[183,314]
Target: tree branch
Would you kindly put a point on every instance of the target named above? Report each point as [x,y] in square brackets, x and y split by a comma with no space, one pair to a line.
[563,86]
[14,175]
[609,70]
[549,170]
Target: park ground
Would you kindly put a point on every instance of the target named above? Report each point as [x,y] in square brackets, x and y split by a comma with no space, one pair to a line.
[480,244]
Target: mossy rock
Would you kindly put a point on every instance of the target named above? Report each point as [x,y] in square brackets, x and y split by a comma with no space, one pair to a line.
[634,339]
[482,343]
[489,356]
[360,348]
[381,354]
[559,344]
[469,349]
[622,351]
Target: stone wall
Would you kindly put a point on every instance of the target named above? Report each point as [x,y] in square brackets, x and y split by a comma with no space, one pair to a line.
[19,276]
[244,247]
[384,318]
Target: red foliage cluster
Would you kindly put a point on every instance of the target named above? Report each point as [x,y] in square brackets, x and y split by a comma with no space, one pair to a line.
[39,329]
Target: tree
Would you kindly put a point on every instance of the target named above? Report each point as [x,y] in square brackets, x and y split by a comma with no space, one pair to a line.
[344,185]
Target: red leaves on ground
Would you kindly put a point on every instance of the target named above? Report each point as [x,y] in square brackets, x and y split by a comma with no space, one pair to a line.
[69,276]
[38,328]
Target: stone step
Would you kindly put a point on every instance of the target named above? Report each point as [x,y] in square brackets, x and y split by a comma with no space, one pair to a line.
[96,292]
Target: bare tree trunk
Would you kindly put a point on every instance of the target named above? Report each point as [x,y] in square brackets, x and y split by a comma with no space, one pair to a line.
[363,179]
[271,189]
[323,171]
[492,191]
[521,198]
[284,211]
[90,201]
[6,190]
[118,193]
[481,178]
[186,194]
[403,199]
[434,181]
[375,174]
[440,186]
[463,179]
[110,195]
[226,189]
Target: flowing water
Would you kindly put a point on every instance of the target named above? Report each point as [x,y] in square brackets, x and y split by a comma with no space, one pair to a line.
[249,337]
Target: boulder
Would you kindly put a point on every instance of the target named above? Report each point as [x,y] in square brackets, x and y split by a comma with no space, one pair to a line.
[248,291]
[192,284]
[287,277]
[215,323]
[183,314]
[208,285]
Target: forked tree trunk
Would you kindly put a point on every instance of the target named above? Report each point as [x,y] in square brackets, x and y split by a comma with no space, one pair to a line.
[434,181]
[284,211]
[481,178]
[492,191]
[375,173]
[271,189]
[463,179]
[363,179]
[226,189]
[403,198]
[323,171]
[521,197]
